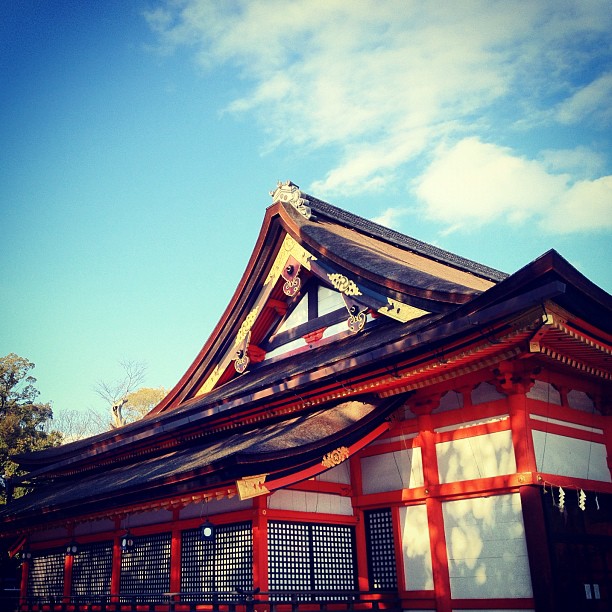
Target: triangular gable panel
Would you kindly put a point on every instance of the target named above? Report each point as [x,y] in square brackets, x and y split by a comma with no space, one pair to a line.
[291,265]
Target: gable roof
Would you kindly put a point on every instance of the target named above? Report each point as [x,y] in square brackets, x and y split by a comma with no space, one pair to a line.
[395,276]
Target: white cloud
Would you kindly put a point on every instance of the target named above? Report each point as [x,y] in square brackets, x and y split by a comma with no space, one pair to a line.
[593,100]
[380,83]
[581,161]
[586,206]
[474,183]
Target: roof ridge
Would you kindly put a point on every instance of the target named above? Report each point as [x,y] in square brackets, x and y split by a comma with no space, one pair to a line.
[398,238]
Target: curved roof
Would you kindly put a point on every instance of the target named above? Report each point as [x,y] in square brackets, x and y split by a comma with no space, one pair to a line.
[245,423]
[287,446]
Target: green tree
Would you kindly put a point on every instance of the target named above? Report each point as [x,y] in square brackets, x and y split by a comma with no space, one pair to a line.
[24,423]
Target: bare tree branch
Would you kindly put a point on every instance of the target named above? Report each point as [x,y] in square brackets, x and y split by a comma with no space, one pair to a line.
[115,393]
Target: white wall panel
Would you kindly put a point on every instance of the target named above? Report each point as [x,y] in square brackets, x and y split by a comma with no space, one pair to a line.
[416,548]
[91,527]
[476,457]
[485,392]
[579,400]
[544,392]
[341,474]
[392,471]
[217,506]
[487,553]
[303,501]
[567,456]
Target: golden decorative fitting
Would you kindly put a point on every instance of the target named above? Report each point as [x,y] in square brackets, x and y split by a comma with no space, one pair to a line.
[290,274]
[335,457]
[356,322]
[344,284]
[241,362]
[288,248]
[252,486]
[401,312]
[245,328]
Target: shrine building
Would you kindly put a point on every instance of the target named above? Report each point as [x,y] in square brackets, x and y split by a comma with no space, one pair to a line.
[373,424]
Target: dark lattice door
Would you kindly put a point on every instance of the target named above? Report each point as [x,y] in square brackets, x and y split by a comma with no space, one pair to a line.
[311,557]
[381,549]
[46,576]
[146,569]
[92,567]
[223,565]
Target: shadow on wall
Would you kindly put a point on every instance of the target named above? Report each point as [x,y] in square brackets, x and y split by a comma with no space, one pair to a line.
[487,553]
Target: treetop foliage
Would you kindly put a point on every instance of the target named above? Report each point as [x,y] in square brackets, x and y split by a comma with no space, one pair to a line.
[24,423]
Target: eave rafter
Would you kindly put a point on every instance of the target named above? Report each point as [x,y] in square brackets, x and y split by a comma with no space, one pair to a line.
[561,341]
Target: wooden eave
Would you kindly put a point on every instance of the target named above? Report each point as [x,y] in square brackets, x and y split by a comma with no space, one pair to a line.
[407,243]
[286,451]
[328,372]
[288,387]
[369,261]
[562,338]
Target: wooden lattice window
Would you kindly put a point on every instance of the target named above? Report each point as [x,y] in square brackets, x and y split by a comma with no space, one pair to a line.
[381,549]
[311,557]
[46,575]
[222,565]
[92,567]
[145,570]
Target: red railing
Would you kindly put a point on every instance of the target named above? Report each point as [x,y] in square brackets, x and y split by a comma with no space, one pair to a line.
[277,601]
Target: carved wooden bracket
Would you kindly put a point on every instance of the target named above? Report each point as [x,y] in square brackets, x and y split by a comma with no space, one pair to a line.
[357,312]
[314,336]
[290,274]
[279,306]
[241,356]
[252,486]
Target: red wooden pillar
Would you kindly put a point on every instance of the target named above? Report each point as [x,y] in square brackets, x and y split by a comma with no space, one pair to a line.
[25,574]
[435,517]
[68,563]
[260,543]
[175,558]
[521,431]
[116,568]
[607,429]
[363,579]
[439,555]
[514,380]
[399,550]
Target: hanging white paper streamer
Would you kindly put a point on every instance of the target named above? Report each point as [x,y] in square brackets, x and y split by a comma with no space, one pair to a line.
[561,499]
[582,500]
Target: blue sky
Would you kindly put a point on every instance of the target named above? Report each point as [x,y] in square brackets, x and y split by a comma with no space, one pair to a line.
[139,141]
